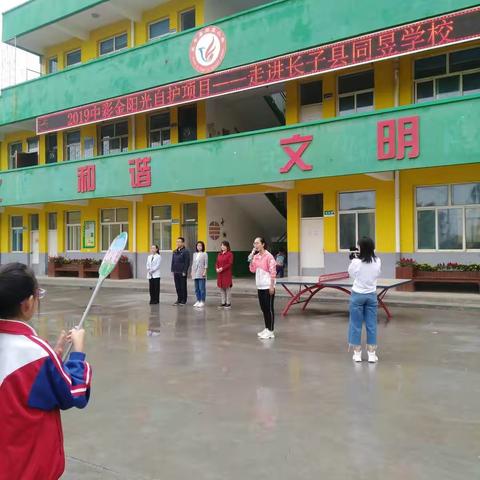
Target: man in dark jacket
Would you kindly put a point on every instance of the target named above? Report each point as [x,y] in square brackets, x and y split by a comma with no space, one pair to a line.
[180,265]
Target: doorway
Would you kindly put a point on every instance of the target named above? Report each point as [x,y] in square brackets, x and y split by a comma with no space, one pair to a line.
[311,234]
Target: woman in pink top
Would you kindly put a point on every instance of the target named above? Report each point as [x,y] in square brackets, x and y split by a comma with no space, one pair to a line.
[264,266]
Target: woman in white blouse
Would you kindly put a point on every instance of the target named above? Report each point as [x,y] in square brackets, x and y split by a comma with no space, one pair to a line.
[153,274]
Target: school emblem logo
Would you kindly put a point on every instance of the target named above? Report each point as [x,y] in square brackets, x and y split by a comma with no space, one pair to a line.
[208,49]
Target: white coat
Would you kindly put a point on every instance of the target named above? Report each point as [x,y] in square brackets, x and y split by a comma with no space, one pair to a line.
[153,266]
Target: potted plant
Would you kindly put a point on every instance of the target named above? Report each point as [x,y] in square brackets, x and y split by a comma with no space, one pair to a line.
[123,269]
[405,269]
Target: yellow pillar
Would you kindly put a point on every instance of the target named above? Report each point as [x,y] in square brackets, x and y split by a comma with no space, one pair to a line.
[201,120]
[202,219]
[330,223]
[86,132]
[174,122]
[143,227]
[41,149]
[293,103]
[176,215]
[293,221]
[60,149]
[4,232]
[329,109]
[384,85]
[62,247]
[406,75]
[42,231]
[141,140]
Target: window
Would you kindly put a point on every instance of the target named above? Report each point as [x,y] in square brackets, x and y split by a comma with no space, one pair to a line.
[52,65]
[51,148]
[73,231]
[113,222]
[187,20]
[190,224]
[312,206]
[159,29]
[311,93]
[32,145]
[13,150]
[34,221]
[114,138]
[356,217]
[73,149]
[161,218]
[355,92]
[450,75]
[159,130]
[187,123]
[16,224]
[52,221]
[71,58]
[448,217]
[113,44]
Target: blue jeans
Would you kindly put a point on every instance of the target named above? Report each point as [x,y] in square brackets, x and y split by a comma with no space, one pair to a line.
[200,289]
[363,308]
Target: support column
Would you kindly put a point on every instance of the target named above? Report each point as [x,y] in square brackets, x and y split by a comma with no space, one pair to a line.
[293,232]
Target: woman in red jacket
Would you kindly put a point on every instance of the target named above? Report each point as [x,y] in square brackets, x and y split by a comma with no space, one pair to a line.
[223,266]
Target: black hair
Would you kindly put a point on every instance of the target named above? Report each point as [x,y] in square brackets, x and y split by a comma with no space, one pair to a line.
[367,250]
[17,283]
[156,248]
[227,244]
[263,242]
[182,239]
[202,244]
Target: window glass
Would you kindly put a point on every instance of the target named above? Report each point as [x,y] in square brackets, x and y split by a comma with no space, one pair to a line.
[430,196]
[466,194]
[121,41]
[311,93]
[357,200]
[52,65]
[364,101]
[73,217]
[106,46]
[448,86]
[346,104]
[472,227]
[426,229]
[73,57]
[163,212]
[158,29]
[347,231]
[471,82]
[366,225]
[430,66]
[425,91]
[465,60]
[450,229]
[187,20]
[355,82]
[312,205]
[122,215]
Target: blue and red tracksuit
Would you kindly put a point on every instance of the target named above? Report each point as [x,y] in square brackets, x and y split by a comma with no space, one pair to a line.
[34,386]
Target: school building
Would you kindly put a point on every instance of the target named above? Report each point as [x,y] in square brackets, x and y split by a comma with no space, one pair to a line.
[309,122]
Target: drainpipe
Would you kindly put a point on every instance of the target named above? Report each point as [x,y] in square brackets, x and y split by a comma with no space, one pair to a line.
[134,239]
[397,173]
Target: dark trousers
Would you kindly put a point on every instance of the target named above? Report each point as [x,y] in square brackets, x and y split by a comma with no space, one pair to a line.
[181,287]
[266,304]
[154,284]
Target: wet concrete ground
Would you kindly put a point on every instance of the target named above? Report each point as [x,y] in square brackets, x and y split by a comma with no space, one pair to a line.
[205,399]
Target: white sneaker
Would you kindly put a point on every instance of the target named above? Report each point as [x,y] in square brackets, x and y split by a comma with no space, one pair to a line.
[372,357]
[357,356]
[259,334]
[201,304]
[196,304]
[268,334]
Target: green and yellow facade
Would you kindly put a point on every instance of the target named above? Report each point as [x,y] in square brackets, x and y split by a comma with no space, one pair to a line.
[213,178]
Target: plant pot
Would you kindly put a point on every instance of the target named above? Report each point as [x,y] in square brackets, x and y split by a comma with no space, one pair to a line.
[51,269]
[405,272]
[121,272]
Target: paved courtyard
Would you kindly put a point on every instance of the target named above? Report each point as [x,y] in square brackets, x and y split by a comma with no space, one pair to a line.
[205,399]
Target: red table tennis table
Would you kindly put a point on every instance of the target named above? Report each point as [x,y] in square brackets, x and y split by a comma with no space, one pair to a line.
[310,286]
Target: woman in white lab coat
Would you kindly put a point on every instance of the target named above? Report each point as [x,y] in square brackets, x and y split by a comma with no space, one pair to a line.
[153,274]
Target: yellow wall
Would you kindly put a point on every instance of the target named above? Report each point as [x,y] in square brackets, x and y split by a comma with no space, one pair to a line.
[410,179]
[330,188]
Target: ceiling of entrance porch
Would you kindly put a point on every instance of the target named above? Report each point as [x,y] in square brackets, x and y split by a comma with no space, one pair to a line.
[26,126]
[82,23]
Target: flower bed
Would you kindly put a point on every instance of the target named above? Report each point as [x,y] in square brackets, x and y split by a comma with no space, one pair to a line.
[86,267]
[442,272]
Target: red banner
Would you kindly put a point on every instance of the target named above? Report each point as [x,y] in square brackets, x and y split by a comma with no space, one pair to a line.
[424,35]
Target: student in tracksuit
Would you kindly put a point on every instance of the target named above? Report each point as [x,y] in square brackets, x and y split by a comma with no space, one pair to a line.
[34,383]
[180,266]
[263,264]
[154,261]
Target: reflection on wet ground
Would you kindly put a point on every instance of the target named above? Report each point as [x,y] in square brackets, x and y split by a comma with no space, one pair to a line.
[180,393]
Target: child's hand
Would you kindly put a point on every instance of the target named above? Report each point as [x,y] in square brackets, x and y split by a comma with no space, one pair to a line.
[61,342]
[77,337]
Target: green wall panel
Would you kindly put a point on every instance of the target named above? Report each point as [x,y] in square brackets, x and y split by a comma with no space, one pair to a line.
[280,27]
[449,136]
[38,13]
